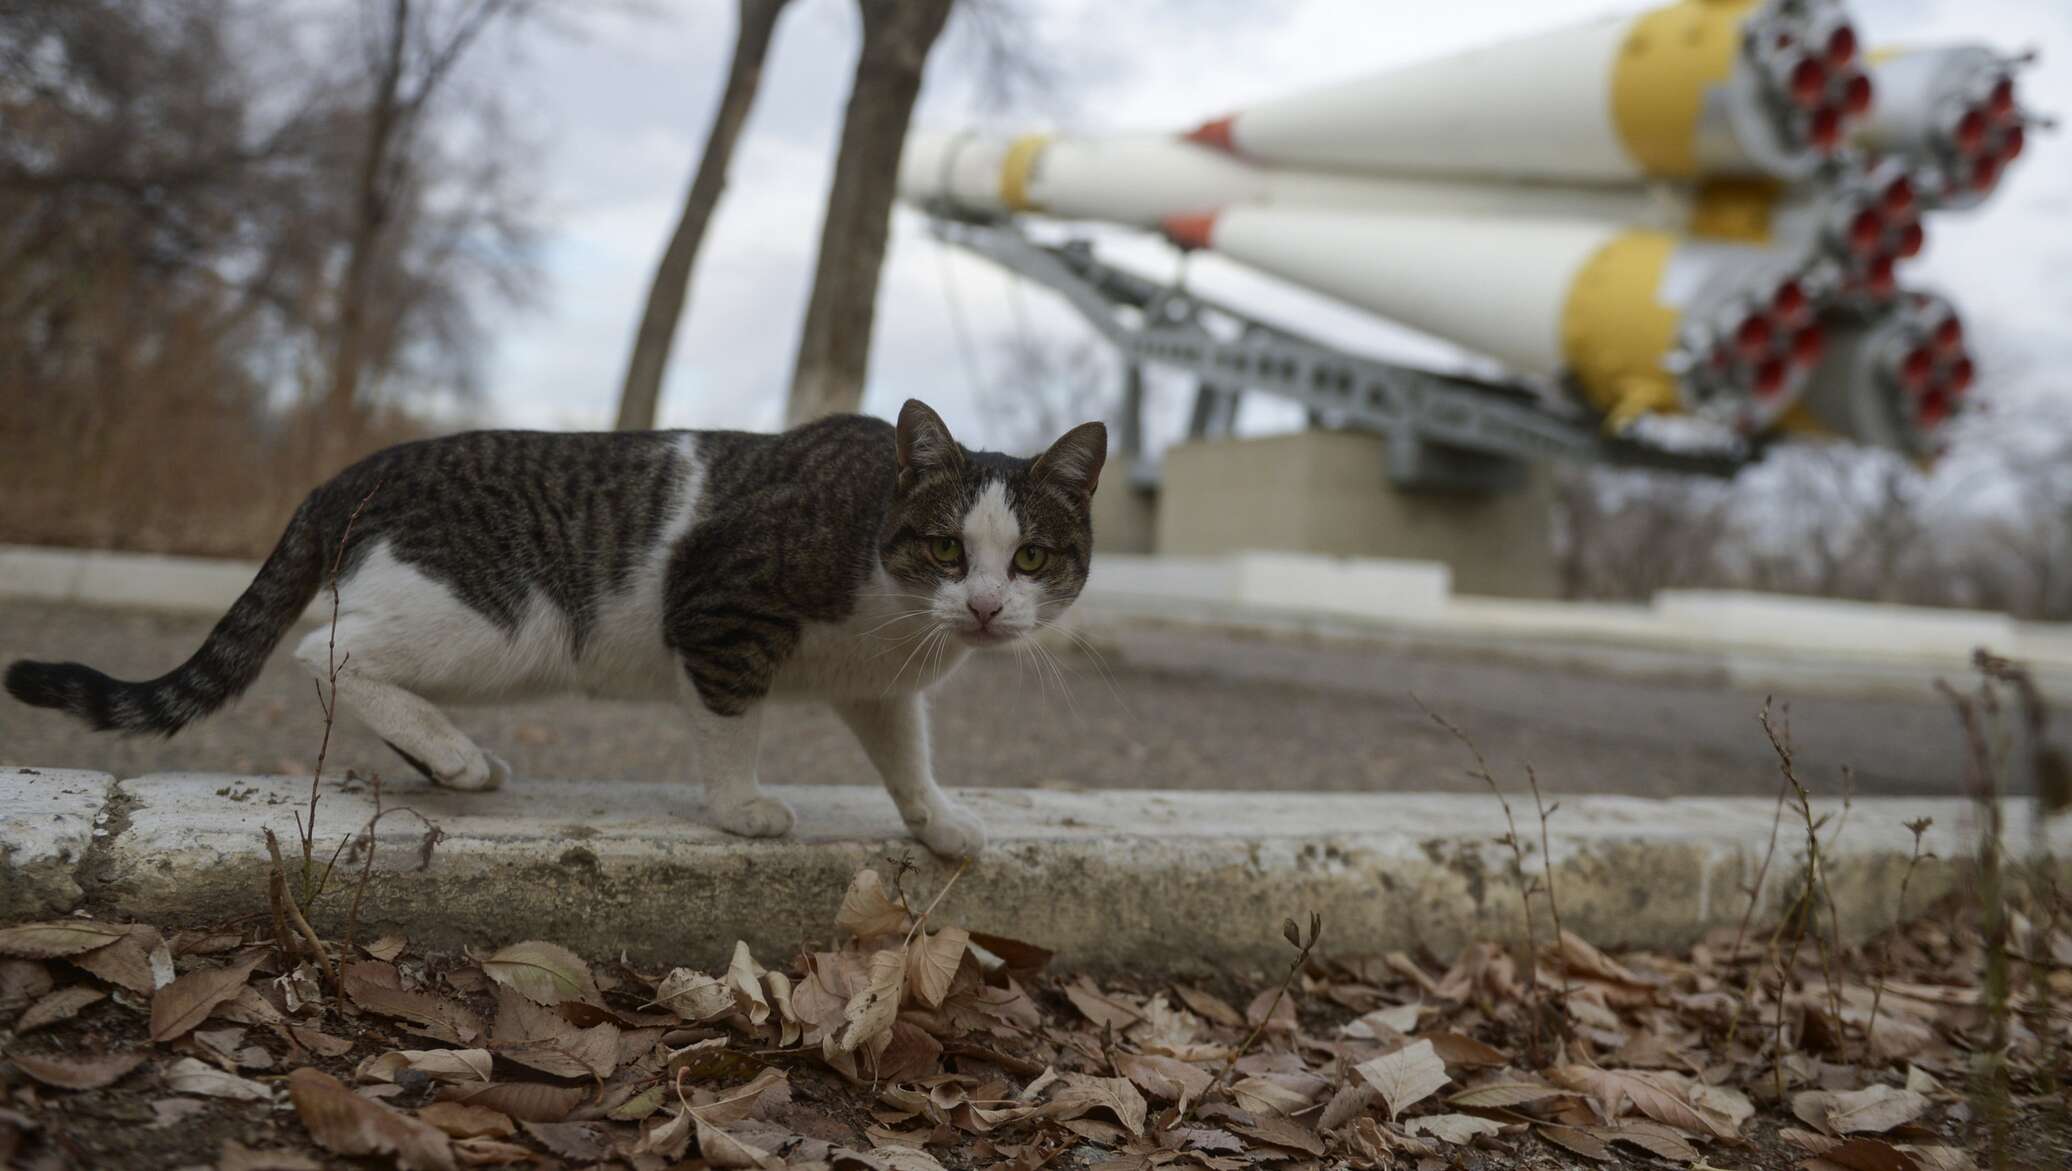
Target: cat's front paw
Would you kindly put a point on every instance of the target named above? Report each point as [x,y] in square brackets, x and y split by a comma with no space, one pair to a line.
[950,831]
[479,772]
[755,817]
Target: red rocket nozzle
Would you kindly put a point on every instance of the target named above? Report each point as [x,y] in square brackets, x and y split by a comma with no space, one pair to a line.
[1866,232]
[1769,378]
[1808,82]
[1807,345]
[1985,171]
[2001,101]
[1841,46]
[1857,93]
[1970,130]
[2011,145]
[1192,230]
[1879,278]
[1911,238]
[1961,374]
[1898,196]
[1826,129]
[1752,336]
[1790,300]
[1216,133]
[1933,408]
[1917,367]
[1949,335]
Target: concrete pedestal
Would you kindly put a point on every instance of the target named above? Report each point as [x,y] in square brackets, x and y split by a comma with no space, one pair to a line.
[1328,492]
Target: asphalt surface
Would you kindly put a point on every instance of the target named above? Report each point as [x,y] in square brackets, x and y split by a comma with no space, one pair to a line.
[1156,709]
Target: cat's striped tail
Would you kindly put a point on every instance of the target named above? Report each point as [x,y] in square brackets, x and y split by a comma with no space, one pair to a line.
[225,665]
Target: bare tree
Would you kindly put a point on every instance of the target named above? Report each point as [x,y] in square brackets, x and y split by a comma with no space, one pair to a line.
[834,343]
[666,295]
[1047,385]
[412,49]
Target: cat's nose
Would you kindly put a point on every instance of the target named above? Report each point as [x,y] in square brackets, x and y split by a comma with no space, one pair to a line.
[984,608]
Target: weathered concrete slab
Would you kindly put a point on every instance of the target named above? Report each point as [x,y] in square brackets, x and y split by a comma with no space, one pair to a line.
[46,828]
[1148,879]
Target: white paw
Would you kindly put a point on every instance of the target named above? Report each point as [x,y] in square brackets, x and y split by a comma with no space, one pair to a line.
[951,831]
[755,817]
[480,772]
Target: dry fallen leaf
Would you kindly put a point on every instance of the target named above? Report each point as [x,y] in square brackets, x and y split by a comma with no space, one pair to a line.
[745,979]
[1100,1008]
[386,949]
[140,961]
[1661,1141]
[463,1121]
[62,1005]
[186,1002]
[868,1017]
[345,1123]
[376,987]
[78,1073]
[1651,1094]
[238,1157]
[524,1101]
[1405,1077]
[694,996]
[21,981]
[1498,1095]
[932,962]
[192,1076]
[544,973]
[42,941]
[319,1042]
[440,1065]
[1580,1142]
[723,1150]
[868,911]
[1164,1078]
[1079,1093]
[1455,1129]
[1873,1110]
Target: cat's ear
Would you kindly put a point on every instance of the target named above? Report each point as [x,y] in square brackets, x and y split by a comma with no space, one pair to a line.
[924,441]
[1075,460]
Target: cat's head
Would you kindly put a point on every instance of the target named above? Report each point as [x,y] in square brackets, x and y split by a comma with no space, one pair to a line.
[995,545]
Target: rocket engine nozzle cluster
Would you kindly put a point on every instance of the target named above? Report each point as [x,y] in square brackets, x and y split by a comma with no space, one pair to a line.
[1699,209]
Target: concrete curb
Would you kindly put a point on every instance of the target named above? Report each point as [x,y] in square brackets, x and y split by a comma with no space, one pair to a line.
[1146,880]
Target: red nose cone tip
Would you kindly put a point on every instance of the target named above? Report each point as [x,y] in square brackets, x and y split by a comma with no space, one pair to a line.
[1193,230]
[1841,46]
[1807,345]
[1857,93]
[1808,82]
[1961,374]
[1769,378]
[1215,133]
[1898,196]
[2001,101]
[1911,238]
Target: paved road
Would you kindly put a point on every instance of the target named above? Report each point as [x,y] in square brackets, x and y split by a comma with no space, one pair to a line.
[1161,709]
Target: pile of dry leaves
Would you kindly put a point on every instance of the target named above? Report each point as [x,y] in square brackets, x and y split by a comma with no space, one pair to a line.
[912,1046]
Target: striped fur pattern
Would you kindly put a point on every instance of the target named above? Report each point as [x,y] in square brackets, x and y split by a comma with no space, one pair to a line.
[849,561]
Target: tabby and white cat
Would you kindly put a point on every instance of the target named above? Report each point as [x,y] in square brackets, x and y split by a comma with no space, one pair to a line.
[847,560]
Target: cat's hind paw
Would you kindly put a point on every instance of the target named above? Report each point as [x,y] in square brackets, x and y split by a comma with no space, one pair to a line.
[754,817]
[951,831]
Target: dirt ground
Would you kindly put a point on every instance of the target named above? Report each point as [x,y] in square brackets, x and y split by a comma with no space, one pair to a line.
[1156,708]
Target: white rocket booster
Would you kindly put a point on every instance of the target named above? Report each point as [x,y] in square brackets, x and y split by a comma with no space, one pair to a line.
[1693,88]
[1865,223]
[1950,114]
[1895,377]
[1639,321]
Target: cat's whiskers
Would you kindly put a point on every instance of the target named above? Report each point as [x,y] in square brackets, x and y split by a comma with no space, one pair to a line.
[1093,653]
[927,638]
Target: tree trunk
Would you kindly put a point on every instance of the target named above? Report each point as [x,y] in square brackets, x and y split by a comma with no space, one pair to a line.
[666,295]
[835,343]
[370,214]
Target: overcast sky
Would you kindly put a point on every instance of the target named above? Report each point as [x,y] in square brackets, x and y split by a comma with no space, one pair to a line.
[618,104]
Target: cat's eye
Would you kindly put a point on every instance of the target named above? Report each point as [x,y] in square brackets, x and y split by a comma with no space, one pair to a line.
[1030,558]
[946,550]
